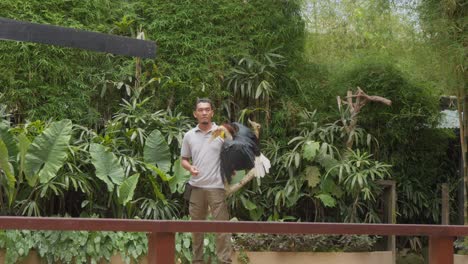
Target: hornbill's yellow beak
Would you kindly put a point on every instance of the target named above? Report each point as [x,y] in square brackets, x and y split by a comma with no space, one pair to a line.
[219,132]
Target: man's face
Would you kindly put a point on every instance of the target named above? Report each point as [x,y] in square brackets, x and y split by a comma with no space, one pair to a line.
[203,113]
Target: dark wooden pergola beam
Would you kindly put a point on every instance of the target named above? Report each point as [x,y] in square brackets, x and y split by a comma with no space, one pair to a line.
[75,38]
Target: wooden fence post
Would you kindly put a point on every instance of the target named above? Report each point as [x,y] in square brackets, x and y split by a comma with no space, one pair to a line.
[441,250]
[161,248]
[445,204]
[390,200]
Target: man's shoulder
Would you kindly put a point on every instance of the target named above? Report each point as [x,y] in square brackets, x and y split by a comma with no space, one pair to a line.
[196,129]
[191,132]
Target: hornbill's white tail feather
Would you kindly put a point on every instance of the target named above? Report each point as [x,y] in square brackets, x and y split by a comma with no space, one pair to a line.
[262,166]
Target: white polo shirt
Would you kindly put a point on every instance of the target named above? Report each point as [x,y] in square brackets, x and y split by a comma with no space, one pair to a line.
[205,155]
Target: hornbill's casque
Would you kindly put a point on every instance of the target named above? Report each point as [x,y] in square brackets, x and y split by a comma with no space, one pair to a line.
[241,150]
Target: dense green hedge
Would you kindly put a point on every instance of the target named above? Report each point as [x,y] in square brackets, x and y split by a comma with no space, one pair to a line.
[198,42]
[407,135]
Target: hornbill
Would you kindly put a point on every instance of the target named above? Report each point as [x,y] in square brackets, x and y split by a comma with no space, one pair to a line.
[240,150]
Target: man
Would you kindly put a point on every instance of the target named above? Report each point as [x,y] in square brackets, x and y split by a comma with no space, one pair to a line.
[201,157]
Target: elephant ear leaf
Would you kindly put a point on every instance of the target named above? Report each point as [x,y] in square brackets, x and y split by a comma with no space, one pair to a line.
[156,151]
[23,146]
[108,168]
[181,176]
[127,189]
[7,168]
[9,142]
[47,153]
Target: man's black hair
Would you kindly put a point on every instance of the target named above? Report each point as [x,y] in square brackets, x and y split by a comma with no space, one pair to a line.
[203,100]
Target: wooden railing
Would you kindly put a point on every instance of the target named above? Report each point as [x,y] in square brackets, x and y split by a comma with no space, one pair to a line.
[161,233]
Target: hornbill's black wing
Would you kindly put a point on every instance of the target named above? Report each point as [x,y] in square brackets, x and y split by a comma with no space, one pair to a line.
[244,133]
[239,153]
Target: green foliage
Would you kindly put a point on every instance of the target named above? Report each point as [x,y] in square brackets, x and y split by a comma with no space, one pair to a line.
[461,245]
[183,247]
[304,243]
[407,131]
[47,152]
[53,82]
[410,258]
[127,189]
[248,56]
[77,246]
[358,171]
[401,32]
[413,105]
[197,44]
[7,179]
[115,153]
[317,171]
[7,139]
[444,23]
[107,166]
[177,183]
[156,151]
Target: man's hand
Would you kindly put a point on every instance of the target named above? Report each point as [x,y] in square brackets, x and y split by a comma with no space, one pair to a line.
[194,171]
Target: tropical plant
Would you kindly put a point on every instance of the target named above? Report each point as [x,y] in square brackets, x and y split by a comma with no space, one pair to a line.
[358,173]
[76,246]
[251,82]
[36,163]
[304,243]
[44,165]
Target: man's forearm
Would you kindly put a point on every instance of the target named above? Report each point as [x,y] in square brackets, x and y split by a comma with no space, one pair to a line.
[186,164]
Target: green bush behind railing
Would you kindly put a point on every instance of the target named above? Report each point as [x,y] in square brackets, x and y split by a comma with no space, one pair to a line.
[91,247]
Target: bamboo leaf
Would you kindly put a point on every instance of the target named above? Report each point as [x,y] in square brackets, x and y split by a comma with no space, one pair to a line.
[249,205]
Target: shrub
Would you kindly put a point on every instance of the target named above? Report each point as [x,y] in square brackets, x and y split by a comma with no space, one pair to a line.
[304,243]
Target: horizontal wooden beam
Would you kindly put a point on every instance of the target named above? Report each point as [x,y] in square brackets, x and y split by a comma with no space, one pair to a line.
[173,226]
[75,38]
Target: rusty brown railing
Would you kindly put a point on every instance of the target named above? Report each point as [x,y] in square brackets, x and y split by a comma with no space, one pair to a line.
[161,233]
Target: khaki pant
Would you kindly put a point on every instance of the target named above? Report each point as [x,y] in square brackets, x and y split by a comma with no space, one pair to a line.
[215,199]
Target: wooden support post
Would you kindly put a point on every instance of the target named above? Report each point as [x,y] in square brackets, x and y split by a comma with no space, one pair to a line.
[161,248]
[390,199]
[445,205]
[441,250]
